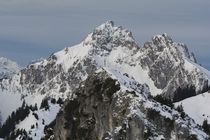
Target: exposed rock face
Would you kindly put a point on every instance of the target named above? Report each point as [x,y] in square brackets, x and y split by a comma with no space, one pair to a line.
[107,37]
[101,110]
[167,63]
[50,78]
[84,116]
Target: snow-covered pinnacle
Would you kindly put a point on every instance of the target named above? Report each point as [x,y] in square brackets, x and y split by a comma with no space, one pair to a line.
[170,65]
[108,36]
[163,41]
[8,68]
[160,39]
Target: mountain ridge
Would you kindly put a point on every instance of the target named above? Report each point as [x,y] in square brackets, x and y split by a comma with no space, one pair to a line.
[160,65]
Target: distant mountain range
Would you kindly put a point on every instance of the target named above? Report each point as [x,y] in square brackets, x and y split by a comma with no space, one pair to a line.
[8,68]
[107,87]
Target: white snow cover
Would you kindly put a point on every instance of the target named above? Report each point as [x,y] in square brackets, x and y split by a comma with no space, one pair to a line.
[12,101]
[121,53]
[47,116]
[197,107]
[70,55]
[199,68]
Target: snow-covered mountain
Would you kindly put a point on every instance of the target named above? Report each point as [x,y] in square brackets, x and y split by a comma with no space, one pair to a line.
[160,63]
[160,66]
[8,68]
[171,66]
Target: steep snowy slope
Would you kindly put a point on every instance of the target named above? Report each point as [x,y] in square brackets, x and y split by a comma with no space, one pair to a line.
[8,68]
[44,118]
[161,64]
[197,107]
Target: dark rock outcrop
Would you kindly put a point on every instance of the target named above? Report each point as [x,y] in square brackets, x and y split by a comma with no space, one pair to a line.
[95,114]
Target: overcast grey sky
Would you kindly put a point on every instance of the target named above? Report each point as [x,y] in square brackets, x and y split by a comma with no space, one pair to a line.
[30,29]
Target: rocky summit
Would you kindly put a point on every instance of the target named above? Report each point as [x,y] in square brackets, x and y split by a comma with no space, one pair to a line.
[106,87]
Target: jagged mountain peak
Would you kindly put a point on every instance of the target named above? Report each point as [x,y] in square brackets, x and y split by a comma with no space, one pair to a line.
[108,36]
[101,41]
[164,38]
[164,43]
[171,65]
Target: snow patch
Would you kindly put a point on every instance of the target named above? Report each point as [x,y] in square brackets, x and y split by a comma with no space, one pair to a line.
[197,107]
